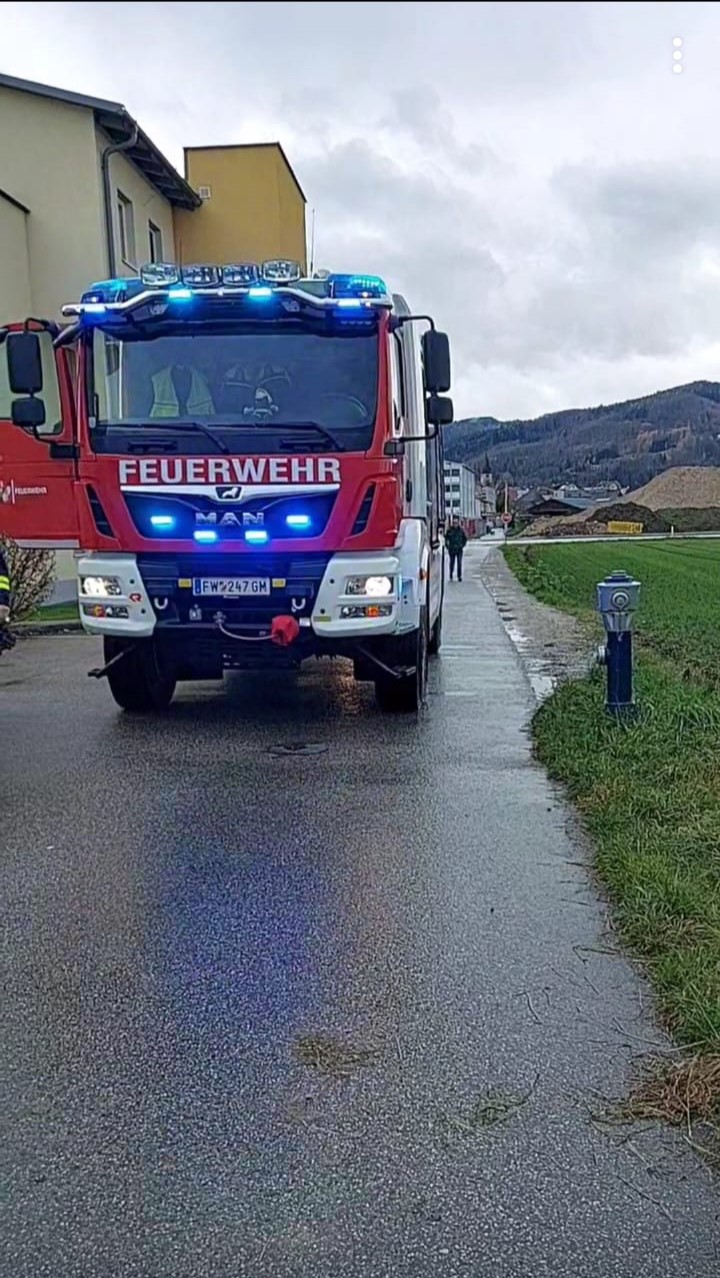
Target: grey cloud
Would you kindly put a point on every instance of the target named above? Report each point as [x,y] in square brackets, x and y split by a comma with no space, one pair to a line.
[356,179]
[576,288]
[648,208]
[423,233]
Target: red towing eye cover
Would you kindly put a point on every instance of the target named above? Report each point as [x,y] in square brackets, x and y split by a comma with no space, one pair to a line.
[284,631]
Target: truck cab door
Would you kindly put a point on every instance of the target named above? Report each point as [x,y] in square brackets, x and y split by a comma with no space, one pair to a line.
[37,441]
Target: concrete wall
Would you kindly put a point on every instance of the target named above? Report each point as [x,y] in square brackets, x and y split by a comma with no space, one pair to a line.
[147,206]
[255,210]
[15,295]
[48,163]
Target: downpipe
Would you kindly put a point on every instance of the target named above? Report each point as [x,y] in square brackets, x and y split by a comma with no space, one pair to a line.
[115,148]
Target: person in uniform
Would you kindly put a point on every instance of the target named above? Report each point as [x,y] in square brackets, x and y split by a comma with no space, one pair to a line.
[4,590]
[7,638]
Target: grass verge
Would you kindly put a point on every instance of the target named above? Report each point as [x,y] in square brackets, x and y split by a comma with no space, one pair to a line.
[55,612]
[649,792]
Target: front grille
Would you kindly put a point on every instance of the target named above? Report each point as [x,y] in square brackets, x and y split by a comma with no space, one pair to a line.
[231,518]
[300,577]
[161,573]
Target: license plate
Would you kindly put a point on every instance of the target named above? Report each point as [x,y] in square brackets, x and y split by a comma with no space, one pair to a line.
[231,587]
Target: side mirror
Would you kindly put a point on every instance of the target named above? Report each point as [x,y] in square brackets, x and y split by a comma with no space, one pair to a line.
[29,413]
[24,363]
[439,410]
[436,361]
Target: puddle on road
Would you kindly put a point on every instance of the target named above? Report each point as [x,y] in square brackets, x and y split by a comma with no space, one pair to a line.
[542,683]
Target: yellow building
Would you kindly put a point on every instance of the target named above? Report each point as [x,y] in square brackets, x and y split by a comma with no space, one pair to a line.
[253,207]
[86,194]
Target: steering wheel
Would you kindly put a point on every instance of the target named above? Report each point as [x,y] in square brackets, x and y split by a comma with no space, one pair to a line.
[340,399]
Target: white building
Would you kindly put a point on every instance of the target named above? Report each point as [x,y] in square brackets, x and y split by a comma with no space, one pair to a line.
[461,493]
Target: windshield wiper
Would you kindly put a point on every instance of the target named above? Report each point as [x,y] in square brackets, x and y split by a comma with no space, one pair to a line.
[179,427]
[319,430]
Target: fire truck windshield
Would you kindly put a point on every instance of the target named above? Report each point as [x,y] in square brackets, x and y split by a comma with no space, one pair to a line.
[242,382]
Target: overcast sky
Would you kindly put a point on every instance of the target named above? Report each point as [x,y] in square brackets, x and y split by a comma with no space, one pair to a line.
[535,175]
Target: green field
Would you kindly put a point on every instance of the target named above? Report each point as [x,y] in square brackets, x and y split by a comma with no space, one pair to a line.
[679,615]
[649,793]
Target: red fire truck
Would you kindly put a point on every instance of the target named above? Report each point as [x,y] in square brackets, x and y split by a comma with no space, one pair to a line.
[249,465]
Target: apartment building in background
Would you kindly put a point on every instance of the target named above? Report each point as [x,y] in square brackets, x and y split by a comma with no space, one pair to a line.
[462,497]
[86,195]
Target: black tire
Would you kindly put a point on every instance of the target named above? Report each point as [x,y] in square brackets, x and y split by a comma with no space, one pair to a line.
[137,682]
[406,695]
[435,640]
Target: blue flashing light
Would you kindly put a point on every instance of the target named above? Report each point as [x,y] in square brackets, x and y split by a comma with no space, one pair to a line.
[180,294]
[260,291]
[350,303]
[256,536]
[162,521]
[298,521]
[107,291]
[367,286]
[205,535]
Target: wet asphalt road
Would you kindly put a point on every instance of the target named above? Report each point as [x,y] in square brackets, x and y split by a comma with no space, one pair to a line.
[258,1011]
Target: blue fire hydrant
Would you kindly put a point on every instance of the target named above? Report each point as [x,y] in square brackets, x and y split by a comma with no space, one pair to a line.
[617,600]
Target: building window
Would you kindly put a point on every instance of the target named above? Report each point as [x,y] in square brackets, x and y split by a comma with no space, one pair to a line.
[126,228]
[155,238]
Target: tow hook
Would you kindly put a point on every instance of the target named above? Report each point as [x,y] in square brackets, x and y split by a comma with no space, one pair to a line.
[283,631]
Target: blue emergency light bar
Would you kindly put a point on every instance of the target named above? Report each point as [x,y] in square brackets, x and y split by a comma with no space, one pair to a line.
[256,281]
[360,286]
[108,291]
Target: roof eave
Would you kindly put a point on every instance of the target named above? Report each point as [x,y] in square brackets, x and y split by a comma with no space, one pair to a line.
[113,117]
[119,126]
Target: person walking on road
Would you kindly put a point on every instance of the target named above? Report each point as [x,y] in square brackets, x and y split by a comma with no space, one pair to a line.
[456,541]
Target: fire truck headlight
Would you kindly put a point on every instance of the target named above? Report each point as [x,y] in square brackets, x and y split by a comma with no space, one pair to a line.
[375,587]
[100,587]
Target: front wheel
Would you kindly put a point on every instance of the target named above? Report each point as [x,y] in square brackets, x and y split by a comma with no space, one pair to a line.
[435,640]
[406,693]
[137,681]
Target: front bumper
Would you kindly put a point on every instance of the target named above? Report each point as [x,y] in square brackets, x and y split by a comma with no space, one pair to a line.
[156,594]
